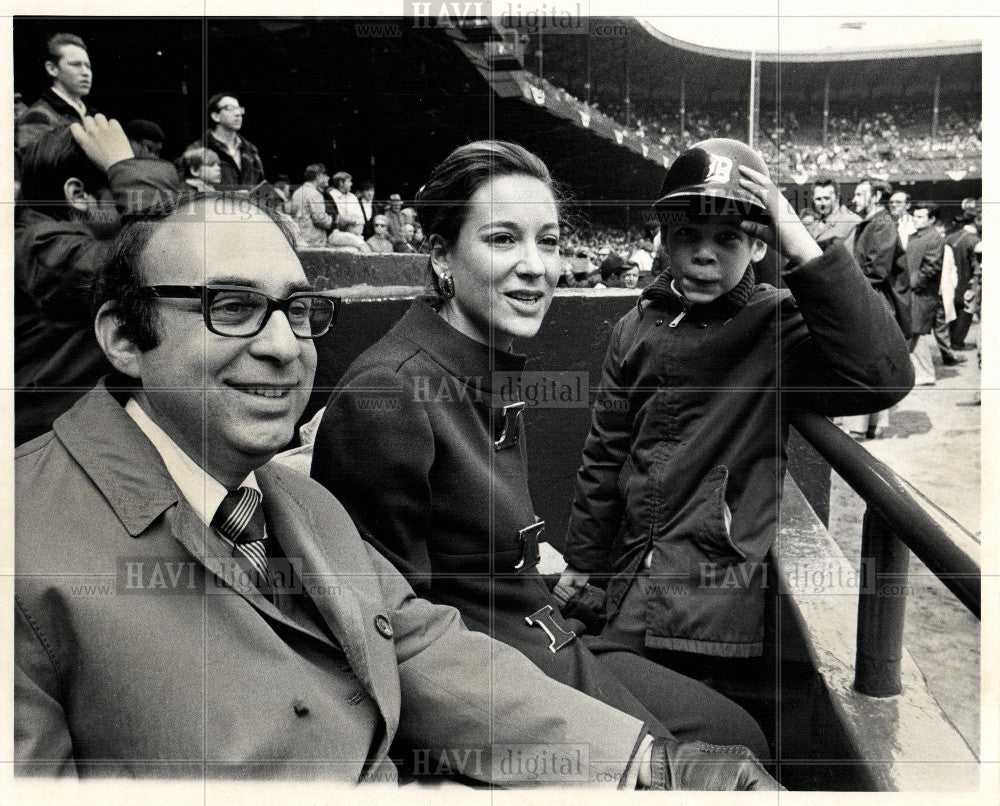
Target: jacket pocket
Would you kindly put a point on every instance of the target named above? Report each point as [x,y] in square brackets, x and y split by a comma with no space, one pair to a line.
[713,532]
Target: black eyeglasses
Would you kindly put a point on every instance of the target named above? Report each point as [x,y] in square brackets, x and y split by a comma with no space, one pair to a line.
[232,310]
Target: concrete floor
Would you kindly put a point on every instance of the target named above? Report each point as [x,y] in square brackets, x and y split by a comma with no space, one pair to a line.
[932,439]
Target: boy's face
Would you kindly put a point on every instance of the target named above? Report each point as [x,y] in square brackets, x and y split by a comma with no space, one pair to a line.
[709,258]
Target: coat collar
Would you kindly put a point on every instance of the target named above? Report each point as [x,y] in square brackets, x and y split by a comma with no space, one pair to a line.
[455,352]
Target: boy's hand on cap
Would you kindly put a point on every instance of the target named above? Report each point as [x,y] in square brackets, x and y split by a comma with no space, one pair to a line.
[793,239]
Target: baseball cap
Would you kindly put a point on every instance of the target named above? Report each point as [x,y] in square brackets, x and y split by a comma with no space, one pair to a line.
[705,181]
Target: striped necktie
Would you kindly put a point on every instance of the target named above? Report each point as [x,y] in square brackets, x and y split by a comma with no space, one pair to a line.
[240,520]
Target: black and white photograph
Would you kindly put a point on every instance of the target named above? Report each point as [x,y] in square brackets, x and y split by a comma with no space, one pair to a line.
[427,401]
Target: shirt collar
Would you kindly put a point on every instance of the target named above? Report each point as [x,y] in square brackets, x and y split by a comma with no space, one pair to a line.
[79,106]
[201,491]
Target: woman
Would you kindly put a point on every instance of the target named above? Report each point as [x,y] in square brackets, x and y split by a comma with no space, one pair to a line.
[423,451]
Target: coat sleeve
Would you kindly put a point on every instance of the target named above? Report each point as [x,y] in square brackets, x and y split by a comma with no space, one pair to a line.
[466,696]
[598,507]
[929,268]
[42,742]
[841,347]
[374,450]
[876,250]
[56,261]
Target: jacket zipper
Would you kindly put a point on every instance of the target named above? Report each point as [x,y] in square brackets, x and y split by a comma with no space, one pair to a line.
[678,318]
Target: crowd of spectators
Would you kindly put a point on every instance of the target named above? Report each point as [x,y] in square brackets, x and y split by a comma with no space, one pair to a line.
[895,143]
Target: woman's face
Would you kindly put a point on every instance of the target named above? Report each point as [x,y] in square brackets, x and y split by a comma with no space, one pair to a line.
[505,261]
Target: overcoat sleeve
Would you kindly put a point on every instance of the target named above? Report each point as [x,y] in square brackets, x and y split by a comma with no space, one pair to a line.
[42,743]
[374,450]
[467,696]
[841,347]
[597,503]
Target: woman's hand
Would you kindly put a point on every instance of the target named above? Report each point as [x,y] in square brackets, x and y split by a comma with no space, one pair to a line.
[570,583]
[792,239]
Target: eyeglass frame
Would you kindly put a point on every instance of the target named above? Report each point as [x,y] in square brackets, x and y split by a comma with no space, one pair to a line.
[207,293]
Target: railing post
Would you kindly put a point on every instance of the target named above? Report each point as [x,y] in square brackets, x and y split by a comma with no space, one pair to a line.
[885,560]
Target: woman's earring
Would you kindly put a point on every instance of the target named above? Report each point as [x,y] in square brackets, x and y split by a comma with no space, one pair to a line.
[447,285]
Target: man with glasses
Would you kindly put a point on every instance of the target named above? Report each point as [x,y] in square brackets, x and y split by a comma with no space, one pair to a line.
[239,158]
[185,607]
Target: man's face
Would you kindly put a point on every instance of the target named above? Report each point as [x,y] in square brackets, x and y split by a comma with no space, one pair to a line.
[323,181]
[368,194]
[824,199]
[898,204]
[708,258]
[72,72]
[229,114]
[229,403]
[395,203]
[863,198]
[345,185]
[408,231]
[921,219]
[381,226]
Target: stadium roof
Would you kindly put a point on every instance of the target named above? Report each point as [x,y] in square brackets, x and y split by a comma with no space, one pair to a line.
[818,39]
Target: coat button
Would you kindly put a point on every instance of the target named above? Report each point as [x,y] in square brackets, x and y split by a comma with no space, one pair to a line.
[659,322]
[300,708]
[383,626]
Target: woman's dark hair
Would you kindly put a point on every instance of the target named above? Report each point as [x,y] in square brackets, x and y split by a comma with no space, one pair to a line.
[443,203]
[120,280]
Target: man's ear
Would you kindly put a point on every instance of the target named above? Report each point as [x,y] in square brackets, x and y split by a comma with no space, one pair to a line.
[121,351]
[439,256]
[51,68]
[76,195]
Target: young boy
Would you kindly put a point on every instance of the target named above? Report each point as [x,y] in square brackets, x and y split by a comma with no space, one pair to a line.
[677,498]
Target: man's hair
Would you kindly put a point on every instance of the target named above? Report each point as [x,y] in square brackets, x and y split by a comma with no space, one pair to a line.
[282,179]
[340,176]
[825,182]
[194,158]
[54,44]
[314,170]
[120,279]
[45,167]
[878,186]
[368,186]
[144,130]
[933,211]
[215,100]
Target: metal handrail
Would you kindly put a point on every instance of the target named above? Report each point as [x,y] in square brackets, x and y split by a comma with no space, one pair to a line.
[894,524]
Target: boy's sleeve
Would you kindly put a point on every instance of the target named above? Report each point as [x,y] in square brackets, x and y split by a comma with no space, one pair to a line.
[841,347]
[597,503]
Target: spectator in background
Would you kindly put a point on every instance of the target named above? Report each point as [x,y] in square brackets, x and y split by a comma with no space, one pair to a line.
[366,199]
[202,170]
[348,205]
[924,260]
[283,190]
[630,276]
[239,158]
[409,216]
[346,236]
[899,209]
[963,243]
[145,137]
[394,217]
[831,219]
[878,251]
[59,246]
[379,242]
[405,244]
[308,209]
[68,65]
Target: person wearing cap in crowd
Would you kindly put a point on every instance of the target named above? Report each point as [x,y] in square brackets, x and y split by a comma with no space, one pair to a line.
[394,217]
[677,496]
[145,137]
[379,242]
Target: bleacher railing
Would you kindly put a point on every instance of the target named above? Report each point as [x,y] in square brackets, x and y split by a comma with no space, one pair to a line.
[895,523]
